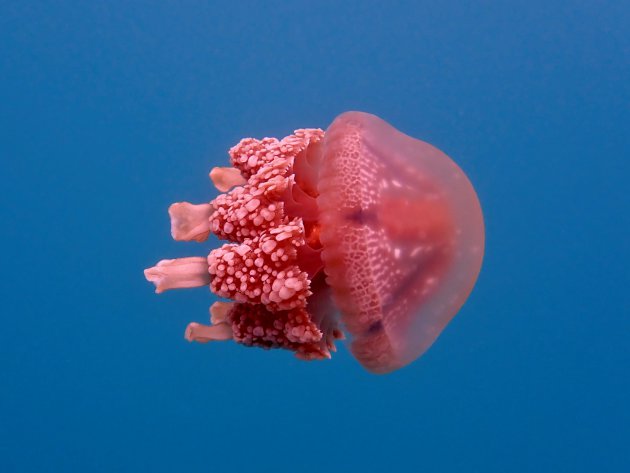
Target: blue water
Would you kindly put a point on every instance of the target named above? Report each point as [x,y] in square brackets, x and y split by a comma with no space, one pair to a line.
[110,111]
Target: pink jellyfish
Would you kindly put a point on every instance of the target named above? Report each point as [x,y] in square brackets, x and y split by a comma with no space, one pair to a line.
[360,227]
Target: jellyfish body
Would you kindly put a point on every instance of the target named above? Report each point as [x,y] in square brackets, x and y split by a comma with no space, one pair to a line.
[361,228]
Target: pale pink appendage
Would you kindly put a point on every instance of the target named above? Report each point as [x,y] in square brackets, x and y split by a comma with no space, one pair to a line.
[272,267]
[178,273]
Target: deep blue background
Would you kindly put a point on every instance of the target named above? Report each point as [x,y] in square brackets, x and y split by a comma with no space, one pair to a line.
[110,111]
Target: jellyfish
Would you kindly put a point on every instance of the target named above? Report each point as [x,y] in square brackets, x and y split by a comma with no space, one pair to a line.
[358,232]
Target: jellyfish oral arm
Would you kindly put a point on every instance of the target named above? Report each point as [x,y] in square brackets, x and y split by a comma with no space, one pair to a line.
[271,266]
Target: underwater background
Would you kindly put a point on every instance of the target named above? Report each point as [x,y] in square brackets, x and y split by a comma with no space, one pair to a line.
[110,111]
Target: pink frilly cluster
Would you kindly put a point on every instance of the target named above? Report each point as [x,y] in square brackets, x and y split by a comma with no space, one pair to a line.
[271,268]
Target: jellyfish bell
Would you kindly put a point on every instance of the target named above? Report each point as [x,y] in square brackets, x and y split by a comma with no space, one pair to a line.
[403,238]
[361,228]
